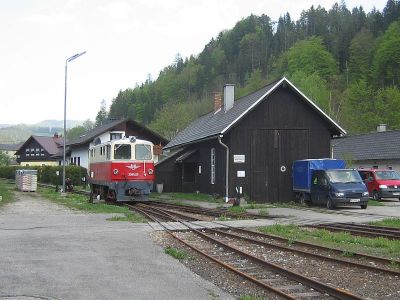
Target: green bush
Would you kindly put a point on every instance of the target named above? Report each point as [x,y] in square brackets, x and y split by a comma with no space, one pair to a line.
[48,174]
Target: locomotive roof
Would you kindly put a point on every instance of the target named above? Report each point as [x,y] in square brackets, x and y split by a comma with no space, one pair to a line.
[125,140]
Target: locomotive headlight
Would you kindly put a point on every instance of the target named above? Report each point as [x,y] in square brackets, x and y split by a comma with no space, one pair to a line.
[150,171]
[115,171]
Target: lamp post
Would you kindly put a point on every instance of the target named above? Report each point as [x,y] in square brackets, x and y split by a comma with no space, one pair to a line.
[65,110]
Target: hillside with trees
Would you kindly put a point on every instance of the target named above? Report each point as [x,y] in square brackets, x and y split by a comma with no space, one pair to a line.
[346,60]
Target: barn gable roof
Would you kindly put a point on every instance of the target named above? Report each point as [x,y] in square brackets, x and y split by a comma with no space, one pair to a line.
[369,146]
[218,123]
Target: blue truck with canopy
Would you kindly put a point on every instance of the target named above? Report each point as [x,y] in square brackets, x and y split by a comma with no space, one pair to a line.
[327,182]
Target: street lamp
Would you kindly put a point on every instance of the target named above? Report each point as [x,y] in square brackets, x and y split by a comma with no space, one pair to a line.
[65,110]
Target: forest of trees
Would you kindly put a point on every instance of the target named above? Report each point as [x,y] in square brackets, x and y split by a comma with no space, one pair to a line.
[346,61]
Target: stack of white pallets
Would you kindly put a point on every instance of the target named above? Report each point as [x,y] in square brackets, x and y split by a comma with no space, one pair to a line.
[26,180]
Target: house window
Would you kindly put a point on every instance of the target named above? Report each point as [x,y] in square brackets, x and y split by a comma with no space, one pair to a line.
[212,165]
[115,136]
[27,152]
[78,161]
[41,152]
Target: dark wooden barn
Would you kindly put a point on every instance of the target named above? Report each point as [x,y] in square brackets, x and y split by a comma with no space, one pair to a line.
[254,140]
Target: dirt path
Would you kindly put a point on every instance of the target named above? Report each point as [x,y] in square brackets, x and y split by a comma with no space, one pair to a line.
[28,203]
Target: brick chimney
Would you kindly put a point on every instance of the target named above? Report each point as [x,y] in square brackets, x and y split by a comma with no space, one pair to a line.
[217,101]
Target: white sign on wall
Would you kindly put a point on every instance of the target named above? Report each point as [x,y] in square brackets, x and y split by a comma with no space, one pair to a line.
[241,173]
[239,158]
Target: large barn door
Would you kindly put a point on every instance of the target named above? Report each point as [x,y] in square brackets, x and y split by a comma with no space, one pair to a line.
[293,145]
[272,155]
[264,185]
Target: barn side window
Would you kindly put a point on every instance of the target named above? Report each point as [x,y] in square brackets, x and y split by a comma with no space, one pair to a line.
[212,165]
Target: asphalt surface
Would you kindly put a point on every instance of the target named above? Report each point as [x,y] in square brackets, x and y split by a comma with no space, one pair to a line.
[50,252]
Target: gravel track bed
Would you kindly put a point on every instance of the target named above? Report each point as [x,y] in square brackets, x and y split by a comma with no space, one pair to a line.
[226,280]
[365,283]
[321,251]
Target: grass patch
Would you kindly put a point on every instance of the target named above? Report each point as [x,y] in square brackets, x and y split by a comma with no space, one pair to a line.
[373,202]
[188,196]
[131,217]
[175,253]
[80,202]
[341,240]
[263,212]
[6,192]
[390,222]
[223,218]
[237,209]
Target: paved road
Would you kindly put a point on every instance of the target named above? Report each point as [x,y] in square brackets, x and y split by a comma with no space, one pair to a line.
[50,252]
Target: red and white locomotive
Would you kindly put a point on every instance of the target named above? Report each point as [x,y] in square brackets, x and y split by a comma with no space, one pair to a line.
[121,170]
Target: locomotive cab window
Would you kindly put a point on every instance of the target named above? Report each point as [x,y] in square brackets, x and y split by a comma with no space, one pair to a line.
[108,152]
[122,151]
[143,152]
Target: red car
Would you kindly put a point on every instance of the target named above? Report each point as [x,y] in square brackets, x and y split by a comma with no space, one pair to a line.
[381,183]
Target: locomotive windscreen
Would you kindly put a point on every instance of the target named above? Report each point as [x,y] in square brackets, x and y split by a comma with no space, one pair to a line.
[143,152]
[122,151]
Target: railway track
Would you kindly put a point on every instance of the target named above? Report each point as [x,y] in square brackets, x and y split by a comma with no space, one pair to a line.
[216,244]
[361,230]
[214,212]
[306,249]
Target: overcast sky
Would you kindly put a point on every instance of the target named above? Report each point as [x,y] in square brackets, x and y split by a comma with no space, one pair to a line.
[125,41]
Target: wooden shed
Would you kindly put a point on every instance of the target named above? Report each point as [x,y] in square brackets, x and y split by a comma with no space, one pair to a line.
[249,143]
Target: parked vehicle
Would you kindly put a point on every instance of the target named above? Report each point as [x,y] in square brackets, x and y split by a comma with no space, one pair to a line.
[121,170]
[381,183]
[327,182]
